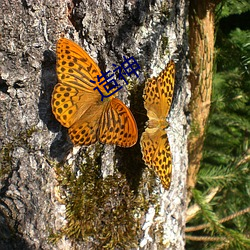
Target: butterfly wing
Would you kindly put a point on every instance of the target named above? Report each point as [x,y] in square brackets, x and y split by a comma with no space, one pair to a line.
[117,125]
[74,94]
[158,93]
[85,130]
[77,106]
[75,68]
[156,154]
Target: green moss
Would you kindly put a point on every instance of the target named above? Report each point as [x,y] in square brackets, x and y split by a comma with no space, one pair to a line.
[28,133]
[195,129]
[105,212]
[164,45]
[5,160]
[164,10]
[19,140]
[132,83]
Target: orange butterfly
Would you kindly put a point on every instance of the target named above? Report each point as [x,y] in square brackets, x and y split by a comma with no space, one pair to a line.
[77,106]
[158,93]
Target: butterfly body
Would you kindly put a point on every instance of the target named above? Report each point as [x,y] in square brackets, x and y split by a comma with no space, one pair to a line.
[79,107]
[158,93]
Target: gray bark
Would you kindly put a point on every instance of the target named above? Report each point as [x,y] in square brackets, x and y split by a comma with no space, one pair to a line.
[32,142]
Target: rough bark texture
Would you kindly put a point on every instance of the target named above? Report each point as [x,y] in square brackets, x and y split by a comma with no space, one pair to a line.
[201,41]
[32,142]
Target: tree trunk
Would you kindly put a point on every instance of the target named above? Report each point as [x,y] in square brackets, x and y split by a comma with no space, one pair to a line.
[54,196]
[201,40]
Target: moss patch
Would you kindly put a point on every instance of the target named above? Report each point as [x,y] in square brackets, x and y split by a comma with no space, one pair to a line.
[20,140]
[103,212]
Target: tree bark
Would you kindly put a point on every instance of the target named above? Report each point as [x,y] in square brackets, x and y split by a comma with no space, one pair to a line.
[40,170]
[201,41]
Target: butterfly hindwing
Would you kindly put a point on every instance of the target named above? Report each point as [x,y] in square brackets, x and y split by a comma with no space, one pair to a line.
[85,130]
[118,125]
[156,154]
[63,105]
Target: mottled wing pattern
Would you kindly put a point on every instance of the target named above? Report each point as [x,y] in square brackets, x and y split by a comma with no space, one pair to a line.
[118,125]
[158,93]
[77,106]
[156,154]
[85,130]
[83,133]
[63,105]
[74,93]
[75,67]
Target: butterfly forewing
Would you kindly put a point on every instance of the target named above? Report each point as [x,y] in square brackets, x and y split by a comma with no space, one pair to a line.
[158,92]
[75,67]
[166,87]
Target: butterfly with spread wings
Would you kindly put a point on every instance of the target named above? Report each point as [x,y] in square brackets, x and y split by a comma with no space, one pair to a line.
[78,107]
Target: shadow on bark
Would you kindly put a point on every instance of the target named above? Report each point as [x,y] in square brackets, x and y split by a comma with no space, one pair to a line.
[130,159]
[61,145]
[9,239]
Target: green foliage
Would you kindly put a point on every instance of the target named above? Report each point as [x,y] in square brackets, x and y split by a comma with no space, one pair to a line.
[207,211]
[226,153]
[230,7]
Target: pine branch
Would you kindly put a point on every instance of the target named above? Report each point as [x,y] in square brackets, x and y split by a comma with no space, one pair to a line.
[194,209]
[221,246]
[205,238]
[245,159]
[217,176]
[224,176]
[230,217]
[232,238]
[207,211]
